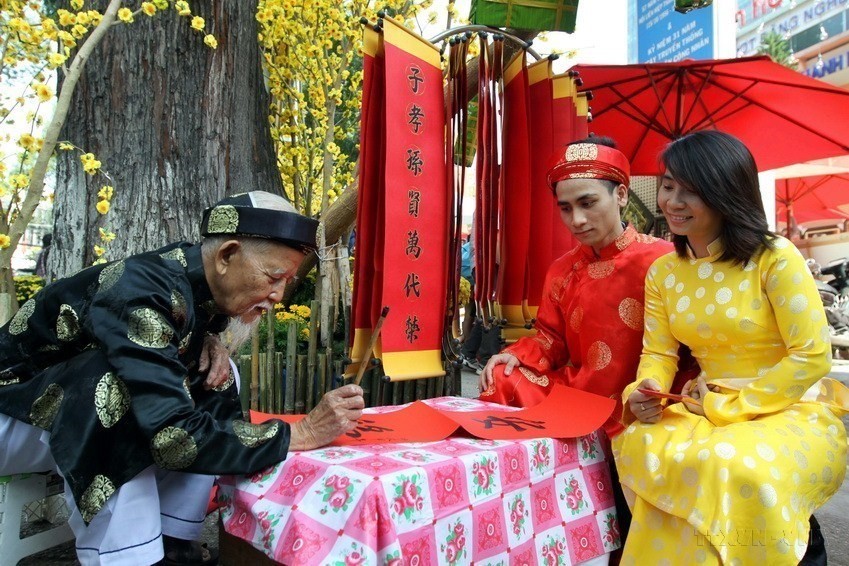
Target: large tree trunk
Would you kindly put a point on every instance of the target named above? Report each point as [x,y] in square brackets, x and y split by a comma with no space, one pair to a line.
[176,125]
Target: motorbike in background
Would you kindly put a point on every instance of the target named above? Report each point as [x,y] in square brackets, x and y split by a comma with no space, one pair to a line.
[835,298]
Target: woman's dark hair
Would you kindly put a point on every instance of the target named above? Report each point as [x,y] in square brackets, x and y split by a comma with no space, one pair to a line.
[722,171]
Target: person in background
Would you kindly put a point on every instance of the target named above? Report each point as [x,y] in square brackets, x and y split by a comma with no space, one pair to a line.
[41,260]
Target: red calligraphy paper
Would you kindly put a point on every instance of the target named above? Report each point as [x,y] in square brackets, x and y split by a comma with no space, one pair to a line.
[565,413]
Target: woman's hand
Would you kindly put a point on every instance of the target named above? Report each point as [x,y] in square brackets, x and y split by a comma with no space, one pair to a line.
[646,409]
[695,390]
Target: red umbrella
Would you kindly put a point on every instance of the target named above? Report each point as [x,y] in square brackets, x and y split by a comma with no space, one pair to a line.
[783,116]
[821,197]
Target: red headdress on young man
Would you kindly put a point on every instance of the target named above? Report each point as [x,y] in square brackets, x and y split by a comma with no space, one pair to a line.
[589,161]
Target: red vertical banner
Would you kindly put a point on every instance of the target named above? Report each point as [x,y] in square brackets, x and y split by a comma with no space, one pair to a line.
[563,119]
[542,200]
[415,234]
[514,234]
[368,194]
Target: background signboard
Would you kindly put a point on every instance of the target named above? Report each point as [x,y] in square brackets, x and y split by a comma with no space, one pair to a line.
[664,35]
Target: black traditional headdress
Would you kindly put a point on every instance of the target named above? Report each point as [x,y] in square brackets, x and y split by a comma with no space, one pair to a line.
[238,215]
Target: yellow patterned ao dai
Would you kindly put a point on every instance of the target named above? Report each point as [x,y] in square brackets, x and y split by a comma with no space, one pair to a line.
[737,486]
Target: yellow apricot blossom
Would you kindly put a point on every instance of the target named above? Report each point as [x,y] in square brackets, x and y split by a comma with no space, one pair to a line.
[99,251]
[102,206]
[125,15]
[66,18]
[19,181]
[55,60]
[66,146]
[5,241]
[106,235]
[198,23]
[42,91]
[148,8]
[27,141]
[106,192]
[210,41]
[90,164]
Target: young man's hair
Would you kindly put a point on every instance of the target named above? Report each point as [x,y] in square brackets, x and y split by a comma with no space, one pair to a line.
[722,171]
[600,140]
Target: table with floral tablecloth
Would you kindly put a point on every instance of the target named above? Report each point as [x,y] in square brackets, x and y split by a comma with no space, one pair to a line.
[456,501]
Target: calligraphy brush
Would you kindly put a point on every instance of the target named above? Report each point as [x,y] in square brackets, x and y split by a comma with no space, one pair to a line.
[371,343]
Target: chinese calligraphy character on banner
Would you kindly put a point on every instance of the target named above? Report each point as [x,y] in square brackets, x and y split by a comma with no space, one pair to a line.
[413,328]
[414,161]
[415,79]
[413,247]
[415,116]
[412,285]
[415,197]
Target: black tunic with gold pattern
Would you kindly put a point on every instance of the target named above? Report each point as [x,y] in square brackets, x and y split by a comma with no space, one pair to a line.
[106,360]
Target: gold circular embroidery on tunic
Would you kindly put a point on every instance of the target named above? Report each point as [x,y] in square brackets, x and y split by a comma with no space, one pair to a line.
[575,319]
[109,276]
[534,378]
[631,313]
[46,407]
[95,497]
[600,269]
[253,435]
[19,321]
[173,448]
[67,324]
[223,387]
[599,356]
[581,152]
[148,328]
[111,399]
[184,343]
[223,220]
[177,255]
[178,306]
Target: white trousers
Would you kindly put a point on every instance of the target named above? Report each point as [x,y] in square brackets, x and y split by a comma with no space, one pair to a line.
[128,530]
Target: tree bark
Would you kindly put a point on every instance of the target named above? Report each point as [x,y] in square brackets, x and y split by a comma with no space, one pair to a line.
[176,125]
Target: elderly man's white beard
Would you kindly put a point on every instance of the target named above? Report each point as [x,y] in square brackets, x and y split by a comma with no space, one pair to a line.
[237,333]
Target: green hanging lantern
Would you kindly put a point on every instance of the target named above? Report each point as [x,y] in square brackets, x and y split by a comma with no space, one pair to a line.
[538,15]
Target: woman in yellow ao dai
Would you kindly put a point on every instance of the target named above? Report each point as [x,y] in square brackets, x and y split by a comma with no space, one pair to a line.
[733,476]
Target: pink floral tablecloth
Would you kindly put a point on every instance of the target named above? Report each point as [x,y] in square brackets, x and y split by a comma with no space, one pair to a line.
[457,501]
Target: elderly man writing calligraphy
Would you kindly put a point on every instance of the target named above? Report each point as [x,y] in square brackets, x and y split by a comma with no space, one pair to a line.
[115,377]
